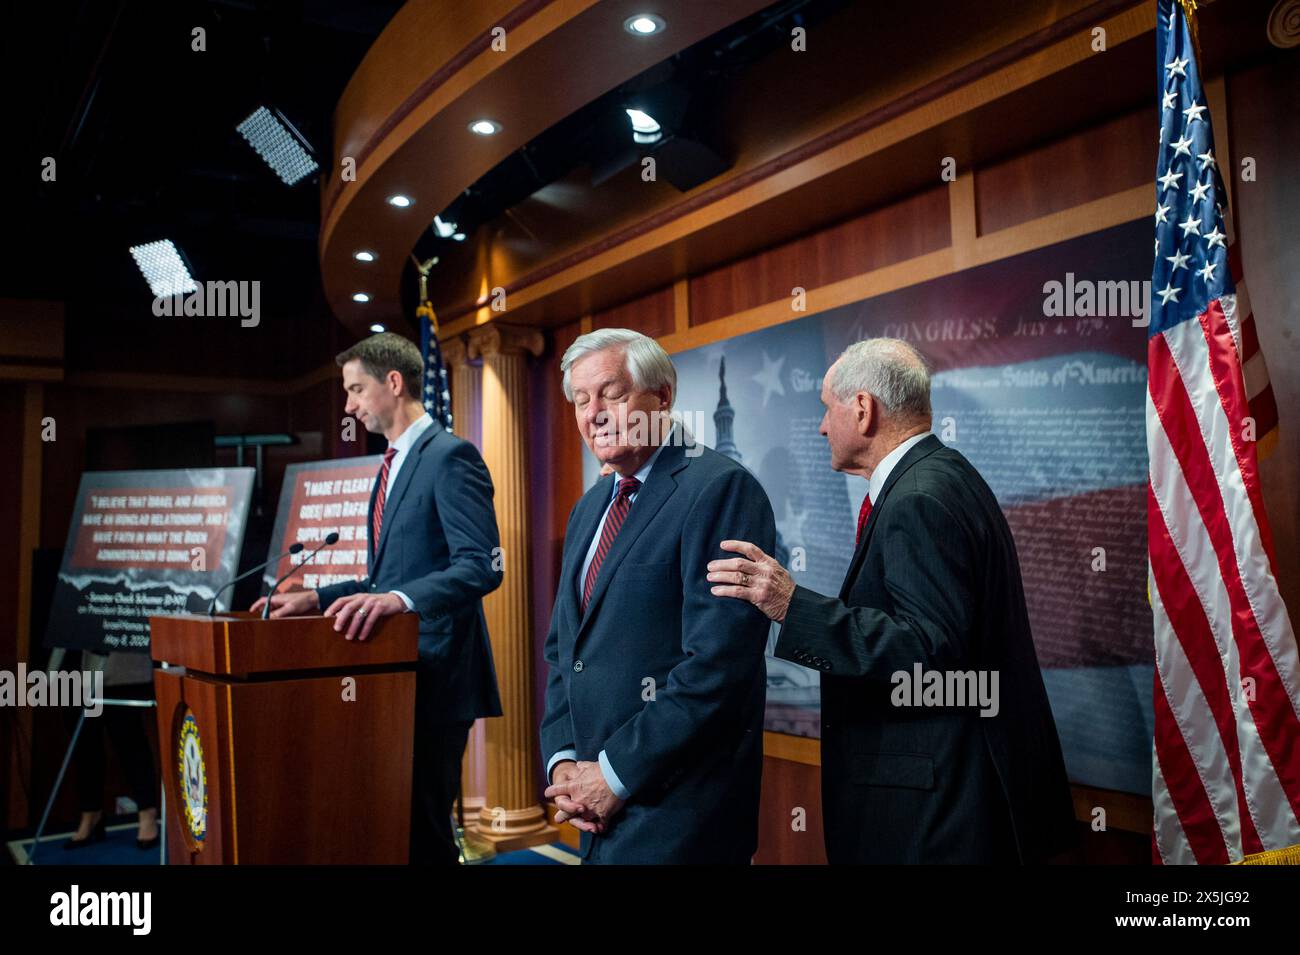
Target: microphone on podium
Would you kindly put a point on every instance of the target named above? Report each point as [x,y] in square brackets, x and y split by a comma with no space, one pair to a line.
[330,539]
[234,580]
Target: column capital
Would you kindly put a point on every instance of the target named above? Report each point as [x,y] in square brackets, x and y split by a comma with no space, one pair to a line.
[455,351]
[496,338]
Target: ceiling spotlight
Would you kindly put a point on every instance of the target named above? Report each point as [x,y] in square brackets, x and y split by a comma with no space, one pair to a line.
[400,201]
[443,228]
[644,24]
[163,268]
[377,328]
[485,127]
[281,146]
[364,256]
[360,297]
[459,236]
[645,129]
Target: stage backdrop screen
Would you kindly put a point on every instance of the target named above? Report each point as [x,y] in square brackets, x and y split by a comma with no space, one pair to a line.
[144,543]
[318,497]
[1045,396]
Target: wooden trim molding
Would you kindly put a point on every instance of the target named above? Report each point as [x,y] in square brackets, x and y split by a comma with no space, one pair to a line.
[1081,220]
[1014,67]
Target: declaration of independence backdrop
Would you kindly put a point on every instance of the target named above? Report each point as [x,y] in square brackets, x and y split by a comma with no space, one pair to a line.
[1049,409]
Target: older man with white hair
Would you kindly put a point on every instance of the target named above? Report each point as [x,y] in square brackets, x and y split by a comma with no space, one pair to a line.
[938,743]
[653,731]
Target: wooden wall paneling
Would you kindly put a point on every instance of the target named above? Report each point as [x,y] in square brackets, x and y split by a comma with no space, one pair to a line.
[653,314]
[1111,157]
[880,237]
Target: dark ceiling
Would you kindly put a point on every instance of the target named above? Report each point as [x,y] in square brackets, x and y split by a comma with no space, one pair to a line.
[142,127]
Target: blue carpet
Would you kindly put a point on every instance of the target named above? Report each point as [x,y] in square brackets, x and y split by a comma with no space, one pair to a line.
[117,848]
[555,854]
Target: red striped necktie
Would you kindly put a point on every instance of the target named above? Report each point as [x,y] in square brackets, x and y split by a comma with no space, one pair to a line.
[381,495]
[613,521]
[863,514]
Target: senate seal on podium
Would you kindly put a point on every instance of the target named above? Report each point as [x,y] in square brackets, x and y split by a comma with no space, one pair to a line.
[193,782]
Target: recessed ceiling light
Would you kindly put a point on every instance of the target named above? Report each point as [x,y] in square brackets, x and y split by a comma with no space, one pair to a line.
[360,297]
[644,24]
[364,256]
[377,328]
[485,127]
[459,236]
[400,201]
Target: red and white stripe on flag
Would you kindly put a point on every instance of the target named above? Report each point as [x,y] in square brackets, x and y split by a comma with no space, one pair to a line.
[1226,773]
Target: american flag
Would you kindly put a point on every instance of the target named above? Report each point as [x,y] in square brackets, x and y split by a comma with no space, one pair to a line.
[437,398]
[1226,773]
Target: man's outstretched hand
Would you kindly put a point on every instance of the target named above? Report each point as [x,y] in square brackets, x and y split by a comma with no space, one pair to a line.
[754,577]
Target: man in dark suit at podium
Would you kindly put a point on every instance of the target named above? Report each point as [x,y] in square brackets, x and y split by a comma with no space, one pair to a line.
[933,590]
[653,731]
[432,550]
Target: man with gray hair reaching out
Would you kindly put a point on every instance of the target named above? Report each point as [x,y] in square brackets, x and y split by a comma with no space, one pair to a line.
[933,598]
[653,731]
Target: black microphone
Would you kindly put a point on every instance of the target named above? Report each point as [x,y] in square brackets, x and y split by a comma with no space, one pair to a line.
[331,538]
[230,583]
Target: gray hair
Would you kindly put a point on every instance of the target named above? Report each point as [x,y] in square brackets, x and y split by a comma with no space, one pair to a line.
[646,360]
[890,370]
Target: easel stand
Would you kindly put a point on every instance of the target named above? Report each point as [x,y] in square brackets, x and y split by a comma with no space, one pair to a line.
[63,770]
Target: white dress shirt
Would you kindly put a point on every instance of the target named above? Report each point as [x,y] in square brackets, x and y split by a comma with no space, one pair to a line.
[881,474]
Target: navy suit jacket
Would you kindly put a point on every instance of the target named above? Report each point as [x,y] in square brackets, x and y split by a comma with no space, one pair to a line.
[935,580]
[668,679]
[438,545]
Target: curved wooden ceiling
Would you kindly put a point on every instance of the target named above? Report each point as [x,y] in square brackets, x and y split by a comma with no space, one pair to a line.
[403,119]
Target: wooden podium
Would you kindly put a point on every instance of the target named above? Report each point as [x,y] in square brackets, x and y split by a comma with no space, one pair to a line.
[282,742]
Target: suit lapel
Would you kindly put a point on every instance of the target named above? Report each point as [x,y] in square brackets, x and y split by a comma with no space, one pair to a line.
[393,499]
[659,486]
[923,448]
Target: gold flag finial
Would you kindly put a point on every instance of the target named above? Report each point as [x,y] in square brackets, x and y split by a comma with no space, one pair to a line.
[424,268]
[1189,11]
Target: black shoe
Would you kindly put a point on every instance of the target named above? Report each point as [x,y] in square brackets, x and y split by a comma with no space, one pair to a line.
[148,843]
[97,834]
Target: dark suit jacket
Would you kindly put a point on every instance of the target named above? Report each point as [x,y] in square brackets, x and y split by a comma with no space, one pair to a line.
[691,757]
[437,545]
[934,580]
